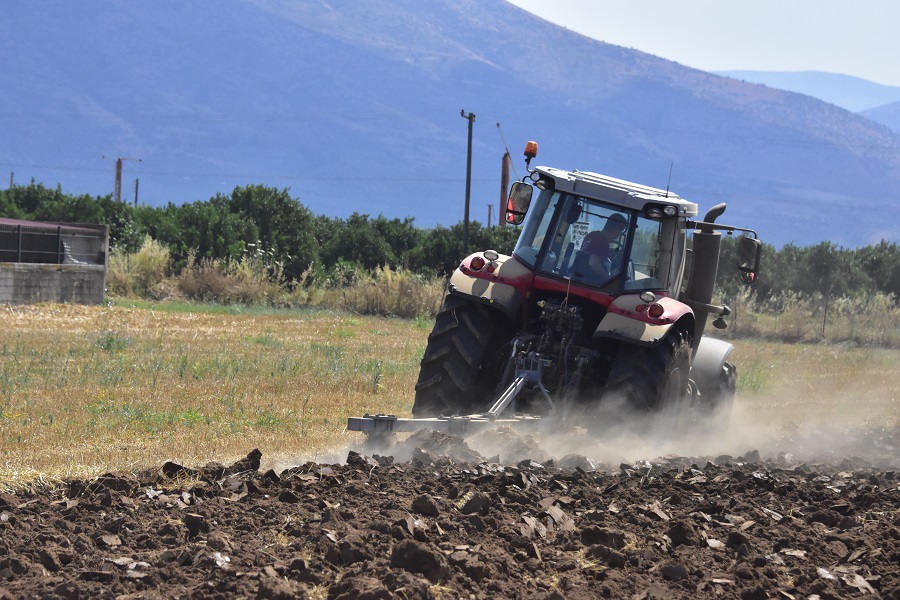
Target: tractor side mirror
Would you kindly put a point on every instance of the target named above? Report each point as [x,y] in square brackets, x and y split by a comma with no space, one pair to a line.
[519,200]
[749,252]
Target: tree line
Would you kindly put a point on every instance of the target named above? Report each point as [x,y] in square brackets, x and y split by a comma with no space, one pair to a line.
[824,269]
[268,223]
[262,222]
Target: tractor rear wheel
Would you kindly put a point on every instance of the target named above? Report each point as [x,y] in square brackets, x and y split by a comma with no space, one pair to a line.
[718,400]
[458,374]
[721,398]
[656,380]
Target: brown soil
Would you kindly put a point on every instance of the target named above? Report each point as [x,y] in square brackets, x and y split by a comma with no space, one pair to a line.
[448,523]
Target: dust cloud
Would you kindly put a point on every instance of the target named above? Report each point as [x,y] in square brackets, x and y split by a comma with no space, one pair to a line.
[788,427]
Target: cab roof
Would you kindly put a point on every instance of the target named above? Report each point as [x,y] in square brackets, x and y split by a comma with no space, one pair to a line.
[616,191]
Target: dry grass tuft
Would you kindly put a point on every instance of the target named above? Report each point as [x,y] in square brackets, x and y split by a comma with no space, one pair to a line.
[252,282]
[388,293]
[136,275]
[247,281]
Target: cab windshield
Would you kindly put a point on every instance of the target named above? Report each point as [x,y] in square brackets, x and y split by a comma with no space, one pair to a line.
[599,244]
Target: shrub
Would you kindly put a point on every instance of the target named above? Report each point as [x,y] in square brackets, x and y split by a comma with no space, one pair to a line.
[389,293]
[244,281]
[138,274]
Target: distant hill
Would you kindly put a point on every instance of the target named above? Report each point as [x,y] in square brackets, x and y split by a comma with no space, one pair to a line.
[356,107]
[888,115]
[846,91]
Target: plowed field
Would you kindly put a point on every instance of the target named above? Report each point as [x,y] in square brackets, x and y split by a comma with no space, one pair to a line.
[447,522]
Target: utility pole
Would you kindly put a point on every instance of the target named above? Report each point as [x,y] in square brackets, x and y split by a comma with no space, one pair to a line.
[471,118]
[117,195]
[490,214]
[136,183]
[12,179]
[504,189]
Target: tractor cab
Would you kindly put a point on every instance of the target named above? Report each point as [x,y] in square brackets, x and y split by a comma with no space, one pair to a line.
[601,232]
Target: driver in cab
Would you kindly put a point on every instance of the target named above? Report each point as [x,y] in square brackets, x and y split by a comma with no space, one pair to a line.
[597,243]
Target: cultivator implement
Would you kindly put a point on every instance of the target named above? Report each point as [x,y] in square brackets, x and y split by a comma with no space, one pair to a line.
[526,378]
[455,424]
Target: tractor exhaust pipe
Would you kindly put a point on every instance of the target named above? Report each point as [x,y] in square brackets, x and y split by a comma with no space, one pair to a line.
[704,267]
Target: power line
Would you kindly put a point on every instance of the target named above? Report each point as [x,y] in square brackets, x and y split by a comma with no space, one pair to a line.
[306,115]
[232,175]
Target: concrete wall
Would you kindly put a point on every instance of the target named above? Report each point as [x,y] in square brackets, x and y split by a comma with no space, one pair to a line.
[23,283]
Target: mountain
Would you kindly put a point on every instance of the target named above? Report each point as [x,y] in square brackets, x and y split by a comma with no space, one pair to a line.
[853,93]
[356,107]
[888,115]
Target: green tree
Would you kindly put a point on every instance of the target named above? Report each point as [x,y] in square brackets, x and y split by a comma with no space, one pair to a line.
[8,206]
[441,249]
[209,229]
[30,198]
[358,240]
[881,262]
[780,272]
[284,226]
[401,235]
[832,272]
[501,239]
[438,253]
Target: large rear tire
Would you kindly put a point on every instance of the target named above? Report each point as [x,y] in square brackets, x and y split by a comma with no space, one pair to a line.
[721,399]
[655,381]
[718,401]
[458,374]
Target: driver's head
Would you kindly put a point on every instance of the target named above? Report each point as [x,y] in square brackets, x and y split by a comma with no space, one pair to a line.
[615,224]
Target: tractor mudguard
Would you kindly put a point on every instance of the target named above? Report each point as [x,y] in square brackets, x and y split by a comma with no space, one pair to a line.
[709,360]
[624,321]
[501,284]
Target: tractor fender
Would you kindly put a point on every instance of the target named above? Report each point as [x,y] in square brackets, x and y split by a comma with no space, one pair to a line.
[709,360]
[503,286]
[624,321]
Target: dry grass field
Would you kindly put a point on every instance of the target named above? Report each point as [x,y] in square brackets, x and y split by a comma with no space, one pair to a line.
[89,389]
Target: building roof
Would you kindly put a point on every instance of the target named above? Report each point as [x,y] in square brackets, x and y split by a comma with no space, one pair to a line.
[48,225]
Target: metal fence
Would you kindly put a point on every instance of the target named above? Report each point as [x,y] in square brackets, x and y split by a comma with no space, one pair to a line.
[53,244]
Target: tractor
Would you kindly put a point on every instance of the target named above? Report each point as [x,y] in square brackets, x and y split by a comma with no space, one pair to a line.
[603,300]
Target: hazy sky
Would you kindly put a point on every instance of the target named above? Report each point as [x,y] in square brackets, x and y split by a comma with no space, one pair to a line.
[858,37]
